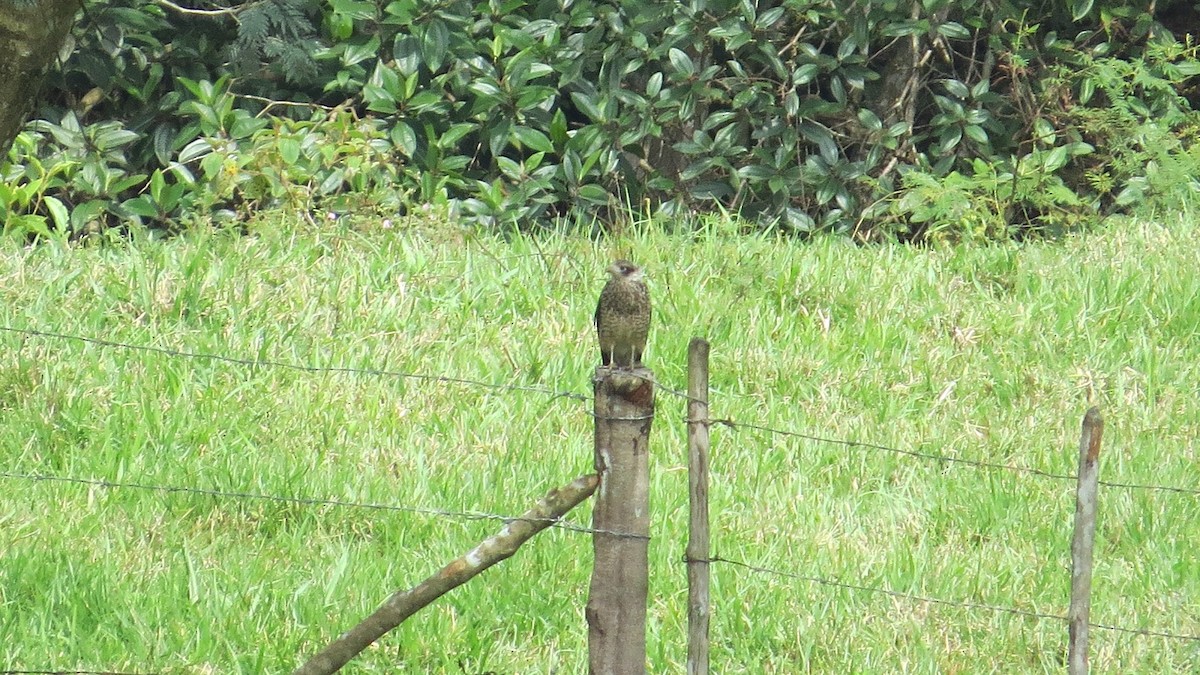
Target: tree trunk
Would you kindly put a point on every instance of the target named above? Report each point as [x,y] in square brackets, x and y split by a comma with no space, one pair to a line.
[31,32]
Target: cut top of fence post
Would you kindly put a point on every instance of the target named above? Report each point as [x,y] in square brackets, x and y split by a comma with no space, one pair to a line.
[635,386]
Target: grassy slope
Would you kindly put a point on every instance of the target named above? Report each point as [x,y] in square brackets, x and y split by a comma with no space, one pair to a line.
[987,353]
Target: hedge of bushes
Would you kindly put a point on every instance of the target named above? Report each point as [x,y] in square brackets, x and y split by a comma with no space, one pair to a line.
[930,119]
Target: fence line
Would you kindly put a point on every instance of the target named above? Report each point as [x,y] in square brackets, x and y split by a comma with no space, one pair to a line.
[979,464]
[951,603]
[69,672]
[563,393]
[267,363]
[563,524]
[307,501]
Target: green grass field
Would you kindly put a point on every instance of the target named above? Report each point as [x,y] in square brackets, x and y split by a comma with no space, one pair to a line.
[988,353]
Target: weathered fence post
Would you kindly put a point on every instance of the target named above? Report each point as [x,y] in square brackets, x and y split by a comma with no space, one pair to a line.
[698,543]
[616,606]
[1081,544]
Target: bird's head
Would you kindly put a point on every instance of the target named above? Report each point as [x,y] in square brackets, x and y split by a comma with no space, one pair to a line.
[623,269]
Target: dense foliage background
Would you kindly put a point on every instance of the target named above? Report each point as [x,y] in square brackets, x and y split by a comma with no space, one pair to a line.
[929,119]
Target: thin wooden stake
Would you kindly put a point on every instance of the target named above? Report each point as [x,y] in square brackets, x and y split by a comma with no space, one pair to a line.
[1081,544]
[616,606]
[698,537]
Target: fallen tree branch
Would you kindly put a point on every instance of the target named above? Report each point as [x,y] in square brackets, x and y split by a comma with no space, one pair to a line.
[490,551]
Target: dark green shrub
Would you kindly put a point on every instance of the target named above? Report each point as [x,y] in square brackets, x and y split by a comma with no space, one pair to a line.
[845,116]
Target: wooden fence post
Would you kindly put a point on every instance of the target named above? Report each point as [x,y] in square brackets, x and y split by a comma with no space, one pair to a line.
[698,542]
[1081,543]
[616,606]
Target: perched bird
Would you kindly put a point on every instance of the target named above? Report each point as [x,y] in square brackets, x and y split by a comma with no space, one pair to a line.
[623,316]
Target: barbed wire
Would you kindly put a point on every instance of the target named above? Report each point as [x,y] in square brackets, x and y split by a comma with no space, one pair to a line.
[561,523]
[69,672]
[316,501]
[979,464]
[1139,486]
[556,393]
[939,601]
[268,363]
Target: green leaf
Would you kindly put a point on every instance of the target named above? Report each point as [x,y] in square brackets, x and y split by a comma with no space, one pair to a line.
[1056,159]
[956,88]
[426,100]
[717,119]
[654,85]
[949,139]
[58,212]
[1043,131]
[906,28]
[485,87]
[1080,9]
[869,120]
[404,138]
[114,138]
[357,53]
[407,52]
[245,126]
[976,133]
[450,137]
[157,183]
[289,149]
[823,137]
[769,18]
[681,61]
[510,168]
[1079,148]
[848,46]
[594,194]
[379,99]
[1188,68]
[805,73]
[954,30]
[332,183]
[532,138]
[536,98]
[572,171]
[195,150]
[435,43]
[86,212]
[589,106]
[141,206]
[837,89]
[498,137]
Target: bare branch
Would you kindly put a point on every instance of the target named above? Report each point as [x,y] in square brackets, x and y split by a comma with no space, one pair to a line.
[494,549]
[228,11]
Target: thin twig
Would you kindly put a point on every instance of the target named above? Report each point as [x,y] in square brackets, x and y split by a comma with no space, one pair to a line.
[228,11]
